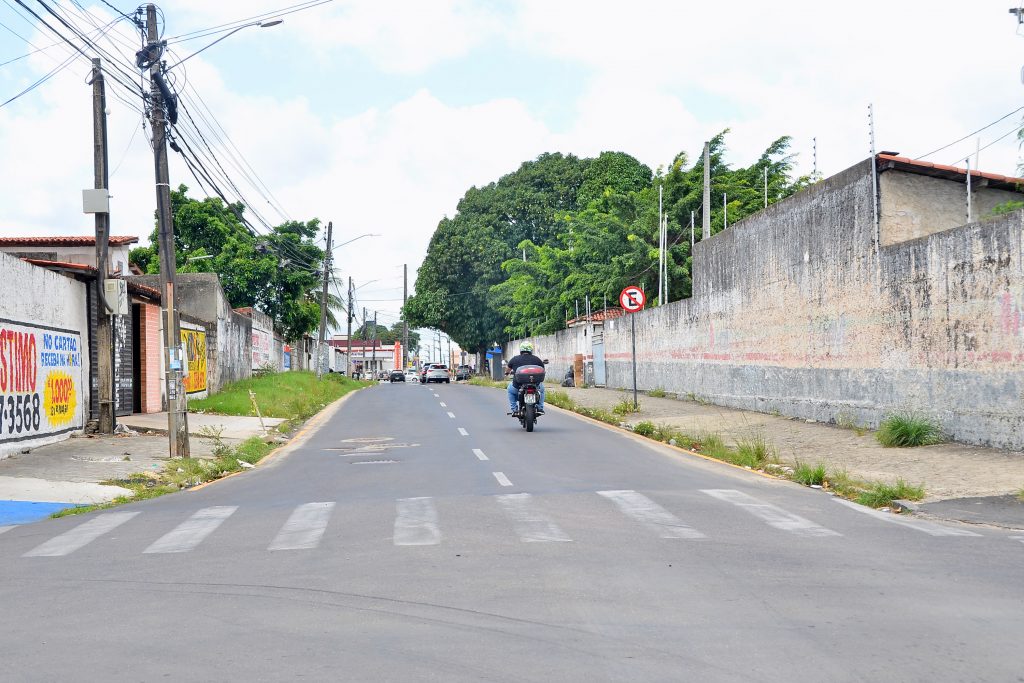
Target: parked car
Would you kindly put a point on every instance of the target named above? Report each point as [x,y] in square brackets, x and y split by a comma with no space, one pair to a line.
[438,373]
[383,375]
[396,376]
[463,372]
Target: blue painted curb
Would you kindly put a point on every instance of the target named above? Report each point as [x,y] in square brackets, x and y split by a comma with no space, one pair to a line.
[25,511]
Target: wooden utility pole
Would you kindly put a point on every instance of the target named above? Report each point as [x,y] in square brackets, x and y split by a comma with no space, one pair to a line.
[348,336]
[405,323]
[104,319]
[323,302]
[706,210]
[174,356]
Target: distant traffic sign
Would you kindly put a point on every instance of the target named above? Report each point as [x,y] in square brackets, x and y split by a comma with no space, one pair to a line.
[632,299]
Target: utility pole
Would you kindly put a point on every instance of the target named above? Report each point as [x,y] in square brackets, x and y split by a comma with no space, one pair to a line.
[404,323]
[706,211]
[177,417]
[104,320]
[373,347]
[348,336]
[323,302]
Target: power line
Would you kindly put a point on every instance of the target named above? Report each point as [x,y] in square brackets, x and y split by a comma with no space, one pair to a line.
[1005,116]
[227,26]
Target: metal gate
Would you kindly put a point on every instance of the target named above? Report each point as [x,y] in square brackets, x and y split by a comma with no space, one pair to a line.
[597,343]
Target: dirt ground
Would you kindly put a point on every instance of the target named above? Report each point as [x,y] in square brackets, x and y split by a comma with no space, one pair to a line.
[949,470]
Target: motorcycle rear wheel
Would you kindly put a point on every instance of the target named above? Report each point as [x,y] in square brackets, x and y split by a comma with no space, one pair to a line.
[529,417]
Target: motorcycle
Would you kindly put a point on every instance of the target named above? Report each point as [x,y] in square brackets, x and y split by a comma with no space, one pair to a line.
[528,378]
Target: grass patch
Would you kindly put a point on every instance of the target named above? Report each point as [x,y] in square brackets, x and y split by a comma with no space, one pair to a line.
[625,407]
[560,399]
[906,429]
[1020,495]
[294,396]
[657,393]
[754,453]
[881,494]
[809,475]
[487,382]
[179,473]
[645,428]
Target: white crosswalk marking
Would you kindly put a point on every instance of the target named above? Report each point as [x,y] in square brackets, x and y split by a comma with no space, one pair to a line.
[532,526]
[772,514]
[83,534]
[416,522]
[924,526]
[650,514]
[192,531]
[304,528]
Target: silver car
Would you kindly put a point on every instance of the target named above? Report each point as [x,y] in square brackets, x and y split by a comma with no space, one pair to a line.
[438,373]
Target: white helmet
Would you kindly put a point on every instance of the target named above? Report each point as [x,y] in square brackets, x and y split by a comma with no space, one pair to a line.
[526,347]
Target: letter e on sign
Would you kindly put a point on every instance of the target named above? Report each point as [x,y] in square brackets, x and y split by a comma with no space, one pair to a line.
[632,299]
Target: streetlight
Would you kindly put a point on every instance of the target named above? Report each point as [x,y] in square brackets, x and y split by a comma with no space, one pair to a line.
[369,234]
[261,24]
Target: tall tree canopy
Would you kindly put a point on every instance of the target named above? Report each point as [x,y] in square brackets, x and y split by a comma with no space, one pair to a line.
[276,272]
[520,253]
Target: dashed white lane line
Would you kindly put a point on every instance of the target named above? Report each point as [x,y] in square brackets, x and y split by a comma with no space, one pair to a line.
[304,528]
[443,404]
[924,526]
[73,539]
[479,454]
[192,531]
[451,414]
[463,432]
[773,515]
[502,479]
[531,525]
[416,522]
[650,514]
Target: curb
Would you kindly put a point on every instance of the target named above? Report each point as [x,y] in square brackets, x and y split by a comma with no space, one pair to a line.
[311,425]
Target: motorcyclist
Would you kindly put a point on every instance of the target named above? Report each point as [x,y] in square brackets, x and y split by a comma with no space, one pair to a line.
[525,357]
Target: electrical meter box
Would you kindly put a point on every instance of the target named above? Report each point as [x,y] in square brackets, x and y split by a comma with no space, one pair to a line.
[116,292]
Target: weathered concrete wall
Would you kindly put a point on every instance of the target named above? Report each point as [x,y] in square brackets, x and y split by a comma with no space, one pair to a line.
[44,359]
[915,205]
[228,334]
[794,310]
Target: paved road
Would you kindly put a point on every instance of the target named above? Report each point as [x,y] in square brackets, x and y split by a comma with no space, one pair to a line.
[420,534]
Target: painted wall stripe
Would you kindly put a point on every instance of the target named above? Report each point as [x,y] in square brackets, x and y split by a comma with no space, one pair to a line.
[650,514]
[304,528]
[773,515]
[192,531]
[531,525]
[924,526]
[83,534]
[416,522]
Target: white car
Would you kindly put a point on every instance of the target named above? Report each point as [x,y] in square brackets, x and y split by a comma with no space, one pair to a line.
[438,373]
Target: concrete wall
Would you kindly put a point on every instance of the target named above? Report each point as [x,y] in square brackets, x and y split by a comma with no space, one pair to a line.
[44,359]
[795,310]
[918,205]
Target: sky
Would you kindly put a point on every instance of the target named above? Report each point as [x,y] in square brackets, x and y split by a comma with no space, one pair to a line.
[378,116]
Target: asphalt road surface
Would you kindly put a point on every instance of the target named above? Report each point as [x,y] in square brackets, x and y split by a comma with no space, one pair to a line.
[420,534]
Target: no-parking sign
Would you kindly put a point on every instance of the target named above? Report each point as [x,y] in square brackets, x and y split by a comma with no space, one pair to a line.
[632,299]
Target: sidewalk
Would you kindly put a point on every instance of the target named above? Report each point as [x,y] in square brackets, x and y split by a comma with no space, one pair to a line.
[968,483]
[33,485]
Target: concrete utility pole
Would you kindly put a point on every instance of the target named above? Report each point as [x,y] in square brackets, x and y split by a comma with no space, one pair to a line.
[177,417]
[405,323]
[373,347]
[104,322]
[706,210]
[348,336]
[323,302]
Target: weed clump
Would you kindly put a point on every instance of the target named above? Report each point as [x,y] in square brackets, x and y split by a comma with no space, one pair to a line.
[657,393]
[625,407]
[809,475]
[906,430]
[754,453]
[645,428]
[881,494]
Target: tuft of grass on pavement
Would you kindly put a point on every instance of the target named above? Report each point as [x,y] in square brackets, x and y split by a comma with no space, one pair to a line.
[1020,495]
[754,452]
[294,396]
[657,392]
[908,429]
[487,382]
[626,406]
[881,494]
[809,475]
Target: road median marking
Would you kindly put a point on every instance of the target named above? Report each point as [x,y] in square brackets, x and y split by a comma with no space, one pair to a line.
[479,454]
[463,432]
[502,479]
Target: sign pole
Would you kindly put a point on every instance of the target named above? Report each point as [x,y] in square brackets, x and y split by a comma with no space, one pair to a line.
[632,324]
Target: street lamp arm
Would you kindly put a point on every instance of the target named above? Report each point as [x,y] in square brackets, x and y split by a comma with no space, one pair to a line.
[369,234]
[261,24]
